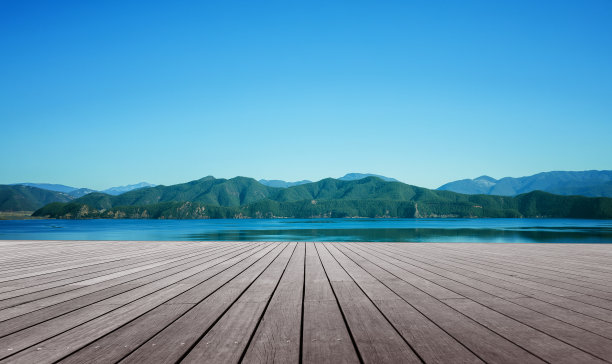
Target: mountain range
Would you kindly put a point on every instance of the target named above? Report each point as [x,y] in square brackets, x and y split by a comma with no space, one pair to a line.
[347,177]
[240,193]
[32,196]
[79,192]
[243,197]
[584,183]
[27,198]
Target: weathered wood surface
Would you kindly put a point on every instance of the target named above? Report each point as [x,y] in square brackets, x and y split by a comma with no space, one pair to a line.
[271,302]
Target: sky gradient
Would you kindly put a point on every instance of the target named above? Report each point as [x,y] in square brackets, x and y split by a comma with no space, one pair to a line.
[100,94]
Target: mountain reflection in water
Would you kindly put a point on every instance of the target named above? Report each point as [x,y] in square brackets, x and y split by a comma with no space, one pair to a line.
[375,230]
[415,235]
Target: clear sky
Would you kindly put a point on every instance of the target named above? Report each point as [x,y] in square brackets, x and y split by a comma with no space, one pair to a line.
[104,93]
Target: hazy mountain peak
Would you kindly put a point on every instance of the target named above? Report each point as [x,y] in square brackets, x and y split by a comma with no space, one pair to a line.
[484,177]
[347,177]
[80,192]
[357,176]
[585,183]
[122,189]
[282,184]
[49,186]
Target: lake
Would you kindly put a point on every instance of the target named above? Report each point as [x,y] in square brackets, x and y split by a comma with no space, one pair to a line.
[377,230]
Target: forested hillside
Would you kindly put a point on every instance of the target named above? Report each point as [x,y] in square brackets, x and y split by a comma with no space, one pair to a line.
[243,197]
[27,198]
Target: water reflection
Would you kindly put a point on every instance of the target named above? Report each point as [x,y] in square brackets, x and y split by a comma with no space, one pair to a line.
[384,230]
[526,234]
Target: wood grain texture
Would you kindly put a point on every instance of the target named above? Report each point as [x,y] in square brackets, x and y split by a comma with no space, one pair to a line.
[278,336]
[314,302]
[325,336]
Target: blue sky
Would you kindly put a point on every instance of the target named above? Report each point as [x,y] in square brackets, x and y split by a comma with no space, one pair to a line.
[98,94]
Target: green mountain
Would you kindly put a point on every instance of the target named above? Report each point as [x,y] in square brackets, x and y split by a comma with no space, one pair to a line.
[241,191]
[208,191]
[346,177]
[27,198]
[243,197]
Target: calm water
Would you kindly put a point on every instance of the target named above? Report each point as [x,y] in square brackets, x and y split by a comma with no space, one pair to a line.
[420,230]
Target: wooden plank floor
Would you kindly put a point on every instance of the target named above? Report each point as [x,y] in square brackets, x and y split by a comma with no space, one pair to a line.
[265,302]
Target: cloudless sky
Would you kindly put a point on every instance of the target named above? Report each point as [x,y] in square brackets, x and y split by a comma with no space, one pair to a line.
[104,93]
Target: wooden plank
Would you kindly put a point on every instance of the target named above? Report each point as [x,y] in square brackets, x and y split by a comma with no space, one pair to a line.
[521,267]
[575,303]
[121,342]
[572,316]
[523,276]
[577,319]
[73,288]
[44,256]
[278,335]
[547,347]
[172,343]
[101,302]
[485,343]
[433,344]
[563,257]
[46,313]
[229,337]
[62,265]
[58,274]
[376,339]
[46,285]
[564,333]
[325,337]
[124,305]
[495,284]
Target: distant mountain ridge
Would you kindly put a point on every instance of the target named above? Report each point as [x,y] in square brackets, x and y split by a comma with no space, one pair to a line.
[243,197]
[584,183]
[48,186]
[32,196]
[347,177]
[282,184]
[122,189]
[28,198]
[79,192]
[358,176]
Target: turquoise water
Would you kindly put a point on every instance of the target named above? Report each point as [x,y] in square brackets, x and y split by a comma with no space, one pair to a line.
[417,230]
